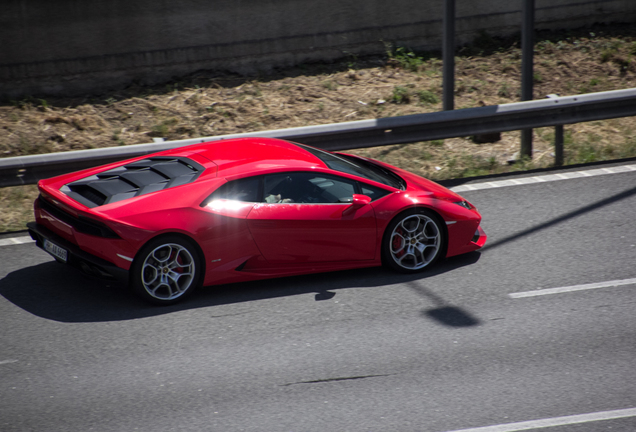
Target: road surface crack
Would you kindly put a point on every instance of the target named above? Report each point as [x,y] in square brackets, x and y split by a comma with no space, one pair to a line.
[325,380]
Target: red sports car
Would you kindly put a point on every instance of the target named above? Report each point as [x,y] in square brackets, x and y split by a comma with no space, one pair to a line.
[247,209]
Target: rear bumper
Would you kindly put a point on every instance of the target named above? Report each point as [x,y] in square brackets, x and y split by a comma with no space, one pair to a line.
[78,258]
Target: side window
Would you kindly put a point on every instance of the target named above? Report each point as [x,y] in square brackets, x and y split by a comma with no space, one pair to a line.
[373,192]
[311,188]
[245,190]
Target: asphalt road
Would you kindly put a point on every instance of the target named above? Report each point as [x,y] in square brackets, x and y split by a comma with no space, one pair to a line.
[366,350]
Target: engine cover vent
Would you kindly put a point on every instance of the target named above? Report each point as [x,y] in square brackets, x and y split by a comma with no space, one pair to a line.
[134,179]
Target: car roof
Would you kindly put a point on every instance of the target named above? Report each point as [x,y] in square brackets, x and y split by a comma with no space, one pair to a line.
[255,155]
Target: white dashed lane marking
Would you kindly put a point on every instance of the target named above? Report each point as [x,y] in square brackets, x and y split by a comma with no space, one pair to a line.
[544,178]
[15,241]
[548,291]
[555,421]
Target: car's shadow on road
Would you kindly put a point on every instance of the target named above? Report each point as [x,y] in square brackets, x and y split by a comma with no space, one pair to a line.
[56,292]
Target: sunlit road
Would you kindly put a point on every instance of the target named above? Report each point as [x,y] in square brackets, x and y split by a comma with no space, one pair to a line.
[449,349]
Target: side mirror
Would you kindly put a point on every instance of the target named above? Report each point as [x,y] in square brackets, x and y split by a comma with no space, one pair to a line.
[360,200]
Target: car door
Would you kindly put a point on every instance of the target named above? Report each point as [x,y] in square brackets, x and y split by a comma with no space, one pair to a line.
[309,217]
[223,234]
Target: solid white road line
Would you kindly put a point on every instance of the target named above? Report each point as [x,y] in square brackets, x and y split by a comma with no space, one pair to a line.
[545,178]
[548,291]
[556,421]
[464,188]
[15,240]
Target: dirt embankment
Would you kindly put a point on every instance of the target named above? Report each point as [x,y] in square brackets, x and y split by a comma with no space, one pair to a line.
[402,82]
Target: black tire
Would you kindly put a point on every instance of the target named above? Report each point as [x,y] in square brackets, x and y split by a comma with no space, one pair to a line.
[413,241]
[166,270]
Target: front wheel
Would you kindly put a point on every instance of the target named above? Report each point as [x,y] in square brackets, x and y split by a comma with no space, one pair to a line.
[413,241]
[166,270]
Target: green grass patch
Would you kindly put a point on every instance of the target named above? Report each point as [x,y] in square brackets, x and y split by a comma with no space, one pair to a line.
[427,97]
[400,95]
[405,59]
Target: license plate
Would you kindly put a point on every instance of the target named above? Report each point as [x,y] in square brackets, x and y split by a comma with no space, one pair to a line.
[56,251]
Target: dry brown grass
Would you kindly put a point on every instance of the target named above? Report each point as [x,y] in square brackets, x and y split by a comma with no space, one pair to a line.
[16,207]
[487,73]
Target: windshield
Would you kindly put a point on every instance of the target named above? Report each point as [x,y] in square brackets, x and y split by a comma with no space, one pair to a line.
[358,167]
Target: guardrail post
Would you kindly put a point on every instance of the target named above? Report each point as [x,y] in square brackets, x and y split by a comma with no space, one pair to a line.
[527,75]
[558,145]
[558,139]
[448,54]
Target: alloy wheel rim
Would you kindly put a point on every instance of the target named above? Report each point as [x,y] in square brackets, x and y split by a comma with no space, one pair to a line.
[168,271]
[415,242]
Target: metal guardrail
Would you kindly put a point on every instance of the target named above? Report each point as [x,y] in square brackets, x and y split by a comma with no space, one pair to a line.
[554,111]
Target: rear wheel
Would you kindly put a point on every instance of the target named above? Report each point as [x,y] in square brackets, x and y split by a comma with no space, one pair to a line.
[413,241]
[166,270]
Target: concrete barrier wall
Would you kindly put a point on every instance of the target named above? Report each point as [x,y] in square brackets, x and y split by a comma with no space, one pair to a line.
[79,46]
